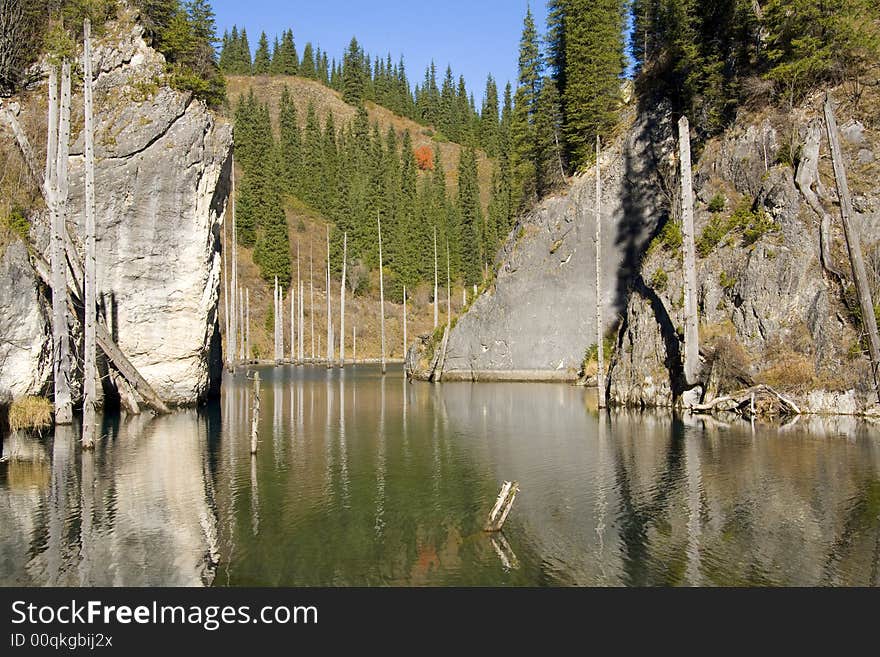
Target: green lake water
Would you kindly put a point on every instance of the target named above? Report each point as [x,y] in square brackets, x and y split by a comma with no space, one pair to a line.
[368,480]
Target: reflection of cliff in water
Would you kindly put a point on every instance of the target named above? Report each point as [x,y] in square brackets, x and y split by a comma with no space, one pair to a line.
[135,512]
[644,500]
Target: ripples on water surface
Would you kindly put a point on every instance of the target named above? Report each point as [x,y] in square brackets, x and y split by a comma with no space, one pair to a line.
[364,480]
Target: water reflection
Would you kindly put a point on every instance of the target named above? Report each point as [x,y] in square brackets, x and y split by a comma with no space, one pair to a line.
[369,480]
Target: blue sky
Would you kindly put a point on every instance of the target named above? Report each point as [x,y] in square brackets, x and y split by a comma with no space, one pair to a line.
[476,37]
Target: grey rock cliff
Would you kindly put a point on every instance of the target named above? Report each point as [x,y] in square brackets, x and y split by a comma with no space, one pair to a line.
[161,186]
[769,311]
[538,318]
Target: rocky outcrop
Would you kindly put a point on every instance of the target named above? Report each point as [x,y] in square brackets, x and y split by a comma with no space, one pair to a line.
[161,180]
[25,346]
[537,319]
[769,311]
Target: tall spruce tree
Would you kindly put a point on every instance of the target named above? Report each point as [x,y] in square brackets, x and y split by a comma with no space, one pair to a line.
[470,216]
[594,63]
[262,58]
[522,129]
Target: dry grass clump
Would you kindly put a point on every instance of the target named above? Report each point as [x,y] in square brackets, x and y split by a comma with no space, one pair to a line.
[790,370]
[30,413]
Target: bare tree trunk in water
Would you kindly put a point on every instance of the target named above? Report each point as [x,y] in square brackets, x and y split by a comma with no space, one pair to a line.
[342,301]
[90,373]
[691,331]
[436,300]
[61,338]
[600,337]
[381,291]
[853,244]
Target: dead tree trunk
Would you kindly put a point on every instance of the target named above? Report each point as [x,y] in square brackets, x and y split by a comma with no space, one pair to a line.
[448,289]
[312,300]
[354,345]
[237,344]
[853,244]
[90,373]
[691,332]
[502,506]
[228,341]
[240,322]
[600,337]
[247,324]
[329,317]
[61,338]
[299,285]
[255,421]
[292,324]
[404,325]
[381,291]
[436,300]
[342,301]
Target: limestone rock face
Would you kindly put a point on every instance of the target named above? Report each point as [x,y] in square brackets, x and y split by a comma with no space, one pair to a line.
[25,346]
[769,312]
[538,318]
[162,166]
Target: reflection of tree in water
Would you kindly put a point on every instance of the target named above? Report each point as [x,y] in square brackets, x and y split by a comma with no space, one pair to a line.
[637,518]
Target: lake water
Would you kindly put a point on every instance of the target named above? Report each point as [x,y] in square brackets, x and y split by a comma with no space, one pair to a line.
[365,480]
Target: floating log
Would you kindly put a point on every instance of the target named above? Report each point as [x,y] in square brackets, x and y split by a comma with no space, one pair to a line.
[502,506]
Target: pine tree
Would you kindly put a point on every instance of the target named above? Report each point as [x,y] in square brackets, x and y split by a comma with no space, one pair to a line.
[243,55]
[262,58]
[275,66]
[289,142]
[548,125]
[312,159]
[594,62]
[353,74]
[307,67]
[470,216]
[489,120]
[531,67]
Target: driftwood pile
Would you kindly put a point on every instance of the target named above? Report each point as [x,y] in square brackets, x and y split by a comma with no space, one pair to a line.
[760,400]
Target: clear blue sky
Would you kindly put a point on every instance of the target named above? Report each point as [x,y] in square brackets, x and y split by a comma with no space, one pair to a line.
[476,37]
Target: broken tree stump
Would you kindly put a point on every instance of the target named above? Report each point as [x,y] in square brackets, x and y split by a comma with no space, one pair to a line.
[502,506]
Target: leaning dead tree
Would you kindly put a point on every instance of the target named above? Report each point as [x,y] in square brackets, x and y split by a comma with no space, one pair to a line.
[853,244]
[600,338]
[381,291]
[57,186]
[342,301]
[691,331]
[90,370]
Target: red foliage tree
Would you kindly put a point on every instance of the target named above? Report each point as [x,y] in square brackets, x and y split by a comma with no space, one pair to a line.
[425,158]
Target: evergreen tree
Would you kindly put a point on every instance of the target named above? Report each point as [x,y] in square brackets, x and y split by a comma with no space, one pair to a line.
[275,66]
[531,66]
[262,58]
[353,74]
[489,120]
[312,159]
[470,216]
[289,142]
[244,65]
[594,62]
[548,124]
[307,67]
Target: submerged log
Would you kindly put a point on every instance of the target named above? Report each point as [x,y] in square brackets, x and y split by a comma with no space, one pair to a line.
[502,506]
